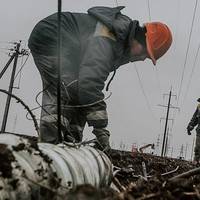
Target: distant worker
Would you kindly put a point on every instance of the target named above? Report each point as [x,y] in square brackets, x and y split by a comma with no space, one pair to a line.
[93,45]
[195,121]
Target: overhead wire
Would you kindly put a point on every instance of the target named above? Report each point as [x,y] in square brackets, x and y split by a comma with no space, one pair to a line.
[63,106]
[4,52]
[20,74]
[144,93]
[192,72]
[25,106]
[140,81]
[6,42]
[187,50]
[156,70]
[185,61]
[174,53]
[149,10]
[175,32]
[22,66]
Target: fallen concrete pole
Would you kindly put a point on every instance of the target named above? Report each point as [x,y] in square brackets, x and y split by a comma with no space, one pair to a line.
[31,170]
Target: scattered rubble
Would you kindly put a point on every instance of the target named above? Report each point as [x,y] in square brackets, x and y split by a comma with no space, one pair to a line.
[6,158]
[31,170]
[134,186]
[137,176]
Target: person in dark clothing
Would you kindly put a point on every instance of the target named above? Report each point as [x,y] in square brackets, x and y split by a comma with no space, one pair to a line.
[93,45]
[195,121]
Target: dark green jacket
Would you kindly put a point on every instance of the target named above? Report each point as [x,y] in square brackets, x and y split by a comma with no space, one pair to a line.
[87,58]
[195,120]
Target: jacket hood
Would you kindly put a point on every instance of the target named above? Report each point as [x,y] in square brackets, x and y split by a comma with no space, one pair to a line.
[122,26]
[106,15]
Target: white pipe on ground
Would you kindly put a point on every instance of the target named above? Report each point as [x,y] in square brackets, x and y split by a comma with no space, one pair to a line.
[45,170]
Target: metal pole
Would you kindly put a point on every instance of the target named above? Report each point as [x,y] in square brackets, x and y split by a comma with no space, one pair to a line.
[192,152]
[59,42]
[5,117]
[166,142]
[7,65]
[186,148]
[172,151]
[181,151]
[165,131]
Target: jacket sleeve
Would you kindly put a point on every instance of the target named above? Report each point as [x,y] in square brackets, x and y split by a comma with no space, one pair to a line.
[194,121]
[95,67]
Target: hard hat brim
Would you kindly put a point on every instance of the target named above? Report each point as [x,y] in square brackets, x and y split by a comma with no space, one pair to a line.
[149,50]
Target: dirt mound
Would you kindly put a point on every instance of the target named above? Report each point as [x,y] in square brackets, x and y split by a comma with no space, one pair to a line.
[132,166]
[144,176]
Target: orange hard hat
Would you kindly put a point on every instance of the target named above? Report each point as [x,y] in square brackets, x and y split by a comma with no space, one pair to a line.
[158,40]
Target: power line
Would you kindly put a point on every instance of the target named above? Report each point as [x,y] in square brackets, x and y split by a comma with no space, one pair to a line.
[156,70]
[193,68]
[187,51]
[174,53]
[176,29]
[158,81]
[22,66]
[116,2]
[149,10]
[186,56]
[20,73]
[144,93]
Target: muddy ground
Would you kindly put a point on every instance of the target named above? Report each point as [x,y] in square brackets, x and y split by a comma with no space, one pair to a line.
[136,176]
[144,176]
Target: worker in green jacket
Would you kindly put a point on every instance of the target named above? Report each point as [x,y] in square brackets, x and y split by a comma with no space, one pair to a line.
[94,44]
[195,121]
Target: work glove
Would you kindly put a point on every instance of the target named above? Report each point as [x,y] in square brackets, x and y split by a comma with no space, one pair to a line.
[102,136]
[189,132]
[189,129]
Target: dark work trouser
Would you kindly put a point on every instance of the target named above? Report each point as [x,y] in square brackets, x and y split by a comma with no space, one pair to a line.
[72,119]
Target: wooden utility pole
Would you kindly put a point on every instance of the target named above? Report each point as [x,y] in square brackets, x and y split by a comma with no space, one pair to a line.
[12,79]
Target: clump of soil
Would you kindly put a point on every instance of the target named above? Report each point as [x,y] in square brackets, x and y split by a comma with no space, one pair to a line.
[134,186]
[138,177]
[6,158]
[88,192]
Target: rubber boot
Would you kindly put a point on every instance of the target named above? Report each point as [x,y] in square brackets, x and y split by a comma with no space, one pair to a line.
[102,136]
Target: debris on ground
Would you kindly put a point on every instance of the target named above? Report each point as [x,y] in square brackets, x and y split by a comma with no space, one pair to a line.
[137,176]
[135,186]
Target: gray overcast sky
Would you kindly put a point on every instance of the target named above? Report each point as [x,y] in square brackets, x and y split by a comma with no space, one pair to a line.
[130,119]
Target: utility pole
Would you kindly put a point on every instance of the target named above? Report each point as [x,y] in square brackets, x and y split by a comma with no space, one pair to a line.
[15,57]
[15,123]
[166,122]
[186,148]
[158,144]
[181,152]
[167,119]
[167,142]
[15,53]
[172,151]
[192,151]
